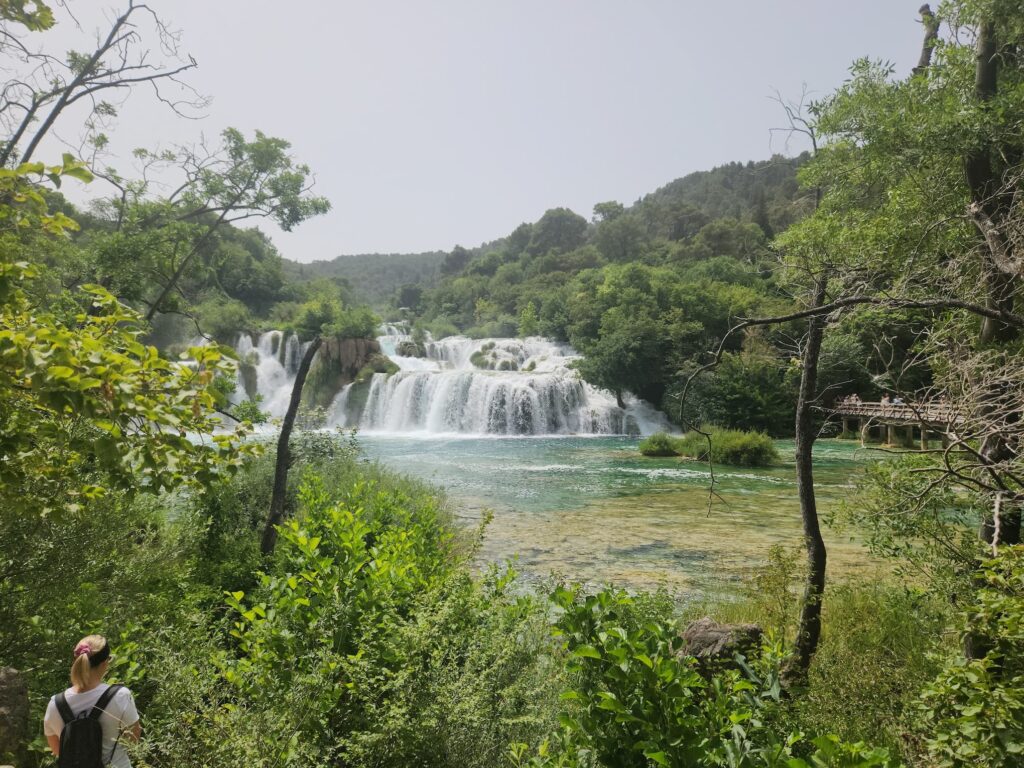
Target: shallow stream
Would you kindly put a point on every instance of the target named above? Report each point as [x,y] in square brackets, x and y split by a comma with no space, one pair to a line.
[593,509]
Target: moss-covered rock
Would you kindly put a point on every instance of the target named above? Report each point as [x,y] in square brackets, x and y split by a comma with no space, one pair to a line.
[340,362]
[247,373]
[410,349]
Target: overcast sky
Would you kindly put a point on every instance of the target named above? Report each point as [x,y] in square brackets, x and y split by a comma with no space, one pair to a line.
[435,123]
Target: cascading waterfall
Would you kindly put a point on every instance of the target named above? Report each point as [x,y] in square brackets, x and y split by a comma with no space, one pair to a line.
[487,387]
[274,361]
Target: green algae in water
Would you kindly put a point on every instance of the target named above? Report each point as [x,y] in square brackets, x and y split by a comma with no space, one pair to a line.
[592,509]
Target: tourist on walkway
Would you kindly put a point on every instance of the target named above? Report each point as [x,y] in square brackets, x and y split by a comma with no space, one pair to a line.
[71,716]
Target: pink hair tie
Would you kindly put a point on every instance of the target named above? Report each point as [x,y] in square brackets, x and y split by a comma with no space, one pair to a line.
[82,648]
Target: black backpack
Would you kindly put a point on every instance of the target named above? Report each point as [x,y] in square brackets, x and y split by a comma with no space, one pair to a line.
[81,738]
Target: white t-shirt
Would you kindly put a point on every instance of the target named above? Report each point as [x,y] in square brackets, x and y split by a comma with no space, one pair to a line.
[118,718]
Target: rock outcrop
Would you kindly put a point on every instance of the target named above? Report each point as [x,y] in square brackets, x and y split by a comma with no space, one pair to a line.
[338,363]
[715,645]
[410,348]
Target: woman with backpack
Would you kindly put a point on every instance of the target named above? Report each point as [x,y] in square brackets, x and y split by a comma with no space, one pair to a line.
[87,724]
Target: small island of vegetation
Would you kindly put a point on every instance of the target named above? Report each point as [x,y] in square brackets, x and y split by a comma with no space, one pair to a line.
[720,446]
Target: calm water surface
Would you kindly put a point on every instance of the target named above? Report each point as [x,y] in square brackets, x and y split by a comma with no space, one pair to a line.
[595,510]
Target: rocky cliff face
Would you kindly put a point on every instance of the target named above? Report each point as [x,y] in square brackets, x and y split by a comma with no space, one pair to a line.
[338,363]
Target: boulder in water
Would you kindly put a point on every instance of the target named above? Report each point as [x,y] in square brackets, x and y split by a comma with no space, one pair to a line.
[410,348]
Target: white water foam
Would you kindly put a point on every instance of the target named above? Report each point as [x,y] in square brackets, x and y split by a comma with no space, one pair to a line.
[527,388]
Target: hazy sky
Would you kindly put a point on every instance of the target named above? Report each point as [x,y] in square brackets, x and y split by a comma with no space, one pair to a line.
[435,123]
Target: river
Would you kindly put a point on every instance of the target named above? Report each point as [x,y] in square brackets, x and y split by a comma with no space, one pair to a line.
[594,510]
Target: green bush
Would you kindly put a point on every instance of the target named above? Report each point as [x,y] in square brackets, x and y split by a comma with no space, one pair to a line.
[972,713]
[442,328]
[354,323]
[728,446]
[223,318]
[366,642]
[659,444]
[637,700]
[249,410]
[874,659]
[323,315]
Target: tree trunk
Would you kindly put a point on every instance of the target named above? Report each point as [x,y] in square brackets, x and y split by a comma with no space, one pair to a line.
[809,630]
[990,208]
[931,36]
[276,515]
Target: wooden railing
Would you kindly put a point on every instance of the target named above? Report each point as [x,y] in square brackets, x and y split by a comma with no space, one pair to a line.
[909,413]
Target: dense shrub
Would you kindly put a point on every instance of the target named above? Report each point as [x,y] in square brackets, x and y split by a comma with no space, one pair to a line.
[659,444]
[730,446]
[637,700]
[753,390]
[972,713]
[223,318]
[442,328]
[355,323]
[365,642]
[727,446]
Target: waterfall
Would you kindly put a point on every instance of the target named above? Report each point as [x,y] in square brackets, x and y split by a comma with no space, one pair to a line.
[460,386]
[274,361]
[487,387]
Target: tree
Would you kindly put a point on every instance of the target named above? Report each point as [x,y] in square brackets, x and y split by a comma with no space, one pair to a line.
[90,416]
[283,461]
[317,318]
[608,211]
[621,238]
[410,297]
[244,180]
[455,261]
[558,229]
[924,195]
[528,321]
[46,86]
[748,390]
[628,348]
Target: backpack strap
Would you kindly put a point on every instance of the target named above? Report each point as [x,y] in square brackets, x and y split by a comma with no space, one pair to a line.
[101,706]
[63,708]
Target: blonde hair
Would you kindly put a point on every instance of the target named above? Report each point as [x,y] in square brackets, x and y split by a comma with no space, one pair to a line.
[81,668]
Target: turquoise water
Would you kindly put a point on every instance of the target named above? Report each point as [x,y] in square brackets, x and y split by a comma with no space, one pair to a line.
[595,510]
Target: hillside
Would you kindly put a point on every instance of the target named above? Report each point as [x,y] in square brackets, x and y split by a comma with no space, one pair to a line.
[374,277]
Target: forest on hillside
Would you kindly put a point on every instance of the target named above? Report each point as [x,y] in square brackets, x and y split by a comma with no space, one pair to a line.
[375,279]
[272,597]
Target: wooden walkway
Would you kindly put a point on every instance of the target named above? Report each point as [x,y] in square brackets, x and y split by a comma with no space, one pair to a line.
[897,422]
